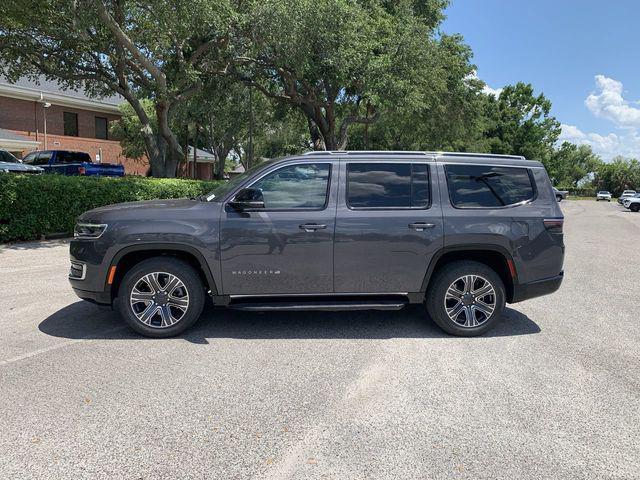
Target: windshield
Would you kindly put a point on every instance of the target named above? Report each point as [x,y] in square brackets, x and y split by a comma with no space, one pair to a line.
[604,193]
[217,193]
[7,157]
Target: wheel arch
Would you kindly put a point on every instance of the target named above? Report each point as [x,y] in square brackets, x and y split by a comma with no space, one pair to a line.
[127,257]
[494,256]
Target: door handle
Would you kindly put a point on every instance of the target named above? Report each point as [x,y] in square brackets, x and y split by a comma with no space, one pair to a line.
[311,227]
[421,226]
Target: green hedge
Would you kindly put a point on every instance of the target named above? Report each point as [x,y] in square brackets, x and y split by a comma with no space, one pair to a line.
[35,205]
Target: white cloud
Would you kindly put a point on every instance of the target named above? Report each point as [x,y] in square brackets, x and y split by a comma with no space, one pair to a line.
[486,89]
[609,103]
[607,146]
[491,91]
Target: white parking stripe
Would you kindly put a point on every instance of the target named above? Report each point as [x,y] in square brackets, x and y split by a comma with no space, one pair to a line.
[58,345]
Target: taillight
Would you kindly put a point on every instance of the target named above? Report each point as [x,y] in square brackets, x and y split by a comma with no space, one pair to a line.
[554,225]
[82,171]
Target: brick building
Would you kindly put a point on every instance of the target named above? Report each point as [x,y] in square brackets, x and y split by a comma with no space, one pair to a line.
[73,122]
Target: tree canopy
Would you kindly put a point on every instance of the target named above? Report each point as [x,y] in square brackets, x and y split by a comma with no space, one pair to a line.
[298,74]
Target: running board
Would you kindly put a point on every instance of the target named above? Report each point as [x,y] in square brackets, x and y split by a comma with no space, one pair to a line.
[331,306]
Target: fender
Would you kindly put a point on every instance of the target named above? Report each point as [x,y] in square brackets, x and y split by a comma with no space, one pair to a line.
[467,247]
[144,247]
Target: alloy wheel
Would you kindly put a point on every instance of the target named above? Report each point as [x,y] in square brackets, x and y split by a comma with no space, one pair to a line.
[470,300]
[159,299]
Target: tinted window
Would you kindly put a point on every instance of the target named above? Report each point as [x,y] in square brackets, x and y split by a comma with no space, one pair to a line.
[43,158]
[72,157]
[30,158]
[486,186]
[101,128]
[296,186]
[387,185]
[7,157]
[70,124]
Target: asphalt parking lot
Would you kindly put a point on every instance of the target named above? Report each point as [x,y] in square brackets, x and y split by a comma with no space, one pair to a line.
[553,392]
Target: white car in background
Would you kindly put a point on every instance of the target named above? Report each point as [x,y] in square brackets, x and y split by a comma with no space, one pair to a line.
[603,195]
[633,204]
[10,164]
[626,194]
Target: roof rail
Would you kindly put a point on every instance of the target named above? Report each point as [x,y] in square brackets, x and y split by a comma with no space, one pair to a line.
[365,152]
[473,154]
[352,153]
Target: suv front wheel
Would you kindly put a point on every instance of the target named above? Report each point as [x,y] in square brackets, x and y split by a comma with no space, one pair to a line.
[161,297]
[466,298]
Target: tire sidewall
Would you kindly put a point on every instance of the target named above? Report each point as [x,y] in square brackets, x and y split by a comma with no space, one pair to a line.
[438,289]
[176,267]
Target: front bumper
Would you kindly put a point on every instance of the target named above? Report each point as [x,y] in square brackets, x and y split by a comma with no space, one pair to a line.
[99,298]
[546,286]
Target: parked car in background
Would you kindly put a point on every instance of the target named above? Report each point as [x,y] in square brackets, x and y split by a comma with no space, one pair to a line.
[460,233]
[625,194]
[65,162]
[632,203]
[626,203]
[560,194]
[603,195]
[9,163]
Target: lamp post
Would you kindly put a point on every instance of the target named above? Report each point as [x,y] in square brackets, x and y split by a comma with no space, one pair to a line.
[44,110]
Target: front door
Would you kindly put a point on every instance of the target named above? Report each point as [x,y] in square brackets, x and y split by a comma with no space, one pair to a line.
[287,246]
[388,226]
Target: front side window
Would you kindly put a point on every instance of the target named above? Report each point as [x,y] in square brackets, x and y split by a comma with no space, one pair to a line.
[302,186]
[473,186]
[43,158]
[388,185]
[70,124]
[30,158]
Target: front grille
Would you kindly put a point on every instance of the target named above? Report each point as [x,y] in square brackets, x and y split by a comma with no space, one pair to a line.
[77,270]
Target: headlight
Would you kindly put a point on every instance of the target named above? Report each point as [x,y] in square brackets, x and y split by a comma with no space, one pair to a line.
[89,230]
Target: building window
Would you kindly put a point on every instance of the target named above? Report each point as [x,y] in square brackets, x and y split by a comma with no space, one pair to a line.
[101,128]
[70,124]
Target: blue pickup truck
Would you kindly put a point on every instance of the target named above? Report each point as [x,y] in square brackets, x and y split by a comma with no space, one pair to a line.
[72,163]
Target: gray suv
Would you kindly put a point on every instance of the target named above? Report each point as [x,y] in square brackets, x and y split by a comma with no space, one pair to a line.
[461,233]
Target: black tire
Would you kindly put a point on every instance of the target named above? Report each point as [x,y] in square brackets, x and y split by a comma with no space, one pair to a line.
[634,207]
[559,198]
[166,265]
[444,278]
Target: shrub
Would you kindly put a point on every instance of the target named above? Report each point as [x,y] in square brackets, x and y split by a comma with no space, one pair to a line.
[36,205]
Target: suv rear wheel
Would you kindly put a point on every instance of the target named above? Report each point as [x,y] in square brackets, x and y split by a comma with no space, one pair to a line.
[161,297]
[466,298]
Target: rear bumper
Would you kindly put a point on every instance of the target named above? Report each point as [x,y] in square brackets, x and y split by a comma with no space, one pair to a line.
[525,291]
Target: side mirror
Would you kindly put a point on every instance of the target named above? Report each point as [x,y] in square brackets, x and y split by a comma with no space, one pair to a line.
[248,199]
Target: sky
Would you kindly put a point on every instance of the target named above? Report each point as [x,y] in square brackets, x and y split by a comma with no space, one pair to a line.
[584,55]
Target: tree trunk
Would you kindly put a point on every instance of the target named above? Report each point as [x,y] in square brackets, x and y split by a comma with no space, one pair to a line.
[221,153]
[174,150]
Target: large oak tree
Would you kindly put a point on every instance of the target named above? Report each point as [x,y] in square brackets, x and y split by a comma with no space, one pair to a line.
[152,49]
[341,62]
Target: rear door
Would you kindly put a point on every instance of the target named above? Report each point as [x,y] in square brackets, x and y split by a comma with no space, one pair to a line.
[287,247]
[388,225]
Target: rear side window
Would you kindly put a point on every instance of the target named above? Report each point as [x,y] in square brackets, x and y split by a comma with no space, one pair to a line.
[388,185]
[72,157]
[473,186]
